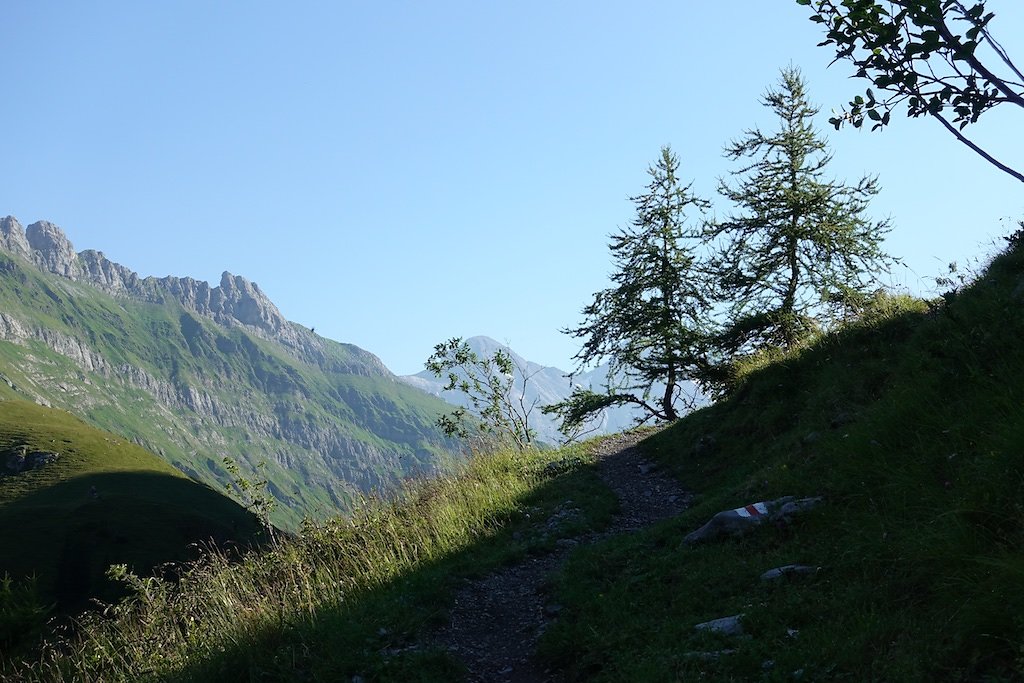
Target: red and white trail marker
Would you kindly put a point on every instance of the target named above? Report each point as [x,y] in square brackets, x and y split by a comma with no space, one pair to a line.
[753,510]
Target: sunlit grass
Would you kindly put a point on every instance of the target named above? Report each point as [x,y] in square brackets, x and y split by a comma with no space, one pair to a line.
[307,604]
[909,422]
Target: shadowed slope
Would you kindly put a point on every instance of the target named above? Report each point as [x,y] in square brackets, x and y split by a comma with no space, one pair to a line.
[102,501]
[910,424]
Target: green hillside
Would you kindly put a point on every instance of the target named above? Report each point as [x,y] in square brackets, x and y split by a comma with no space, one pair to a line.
[327,419]
[908,423]
[103,501]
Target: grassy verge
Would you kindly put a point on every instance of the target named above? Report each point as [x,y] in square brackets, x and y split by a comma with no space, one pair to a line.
[910,424]
[340,599]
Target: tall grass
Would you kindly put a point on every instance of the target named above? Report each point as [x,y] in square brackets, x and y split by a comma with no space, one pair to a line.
[275,612]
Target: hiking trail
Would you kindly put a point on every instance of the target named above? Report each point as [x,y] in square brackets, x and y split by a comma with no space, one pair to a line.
[496,621]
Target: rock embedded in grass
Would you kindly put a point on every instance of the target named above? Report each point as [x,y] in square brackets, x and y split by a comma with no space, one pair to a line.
[705,445]
[789,571]
[725,626]
[21,460]
[812,437]
[742,520]
[709,656]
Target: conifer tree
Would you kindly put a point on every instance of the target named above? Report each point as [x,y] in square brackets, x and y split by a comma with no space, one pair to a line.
[799,252]
[650,325]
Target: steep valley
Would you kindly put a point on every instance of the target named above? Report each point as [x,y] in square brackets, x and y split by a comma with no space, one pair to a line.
[198,374]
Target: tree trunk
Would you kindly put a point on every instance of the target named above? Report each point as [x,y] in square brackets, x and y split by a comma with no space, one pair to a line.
[670,390]
[789,301]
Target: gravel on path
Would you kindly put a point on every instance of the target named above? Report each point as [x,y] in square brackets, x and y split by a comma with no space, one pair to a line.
[496,621]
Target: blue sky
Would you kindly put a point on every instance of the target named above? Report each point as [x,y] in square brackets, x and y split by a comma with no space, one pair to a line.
[396,173]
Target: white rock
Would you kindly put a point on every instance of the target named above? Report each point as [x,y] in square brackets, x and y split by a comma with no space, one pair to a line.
[726,626]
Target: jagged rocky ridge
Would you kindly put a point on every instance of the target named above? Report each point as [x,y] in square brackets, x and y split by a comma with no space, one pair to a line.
[236,301]
[197,373]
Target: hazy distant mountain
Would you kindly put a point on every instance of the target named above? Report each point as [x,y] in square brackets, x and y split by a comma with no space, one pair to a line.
[545,385]
[196,373]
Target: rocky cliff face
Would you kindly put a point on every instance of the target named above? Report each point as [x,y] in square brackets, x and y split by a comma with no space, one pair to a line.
[52,250]
[235,301]
[109,276]
[12,237]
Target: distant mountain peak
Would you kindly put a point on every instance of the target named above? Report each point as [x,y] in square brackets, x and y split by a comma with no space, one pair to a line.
[485,346]
[235,300]
[52,250]
[12,237]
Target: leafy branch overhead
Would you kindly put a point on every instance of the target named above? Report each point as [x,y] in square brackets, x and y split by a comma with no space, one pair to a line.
[936,56]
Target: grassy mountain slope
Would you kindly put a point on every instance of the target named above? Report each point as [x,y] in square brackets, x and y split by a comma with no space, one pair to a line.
[909,424]
[103,501]
[328,424]
[344,598]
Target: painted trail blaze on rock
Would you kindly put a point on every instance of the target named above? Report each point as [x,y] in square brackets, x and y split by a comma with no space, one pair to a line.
[743,519]
[752,510]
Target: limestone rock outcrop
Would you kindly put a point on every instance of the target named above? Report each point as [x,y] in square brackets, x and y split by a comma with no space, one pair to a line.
[235,300]
[108,275]
[12,237]
[52,250]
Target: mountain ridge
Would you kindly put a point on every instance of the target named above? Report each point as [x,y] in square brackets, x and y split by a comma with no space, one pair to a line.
[235,301]
[199,373]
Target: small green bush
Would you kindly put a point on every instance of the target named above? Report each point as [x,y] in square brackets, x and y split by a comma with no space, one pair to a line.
[22,614]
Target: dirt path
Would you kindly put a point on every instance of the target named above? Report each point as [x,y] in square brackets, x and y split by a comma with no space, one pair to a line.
[496,621]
